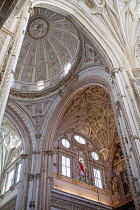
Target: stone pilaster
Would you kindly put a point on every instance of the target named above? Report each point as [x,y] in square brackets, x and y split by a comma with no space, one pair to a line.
[127,126]
[46,180]
[22,183]
[13,58]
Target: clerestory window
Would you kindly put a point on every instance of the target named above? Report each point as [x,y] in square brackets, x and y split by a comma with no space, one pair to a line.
[10,179]
[97,178]
[66,166]
[18,173]
[79,160]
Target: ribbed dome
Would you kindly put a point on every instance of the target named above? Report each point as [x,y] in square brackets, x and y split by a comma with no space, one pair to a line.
[51,42]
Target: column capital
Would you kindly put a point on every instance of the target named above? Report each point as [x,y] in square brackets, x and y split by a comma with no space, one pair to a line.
[38,176]
[38,135]
[49,152]
[23,156]
[32,204]
[31,176]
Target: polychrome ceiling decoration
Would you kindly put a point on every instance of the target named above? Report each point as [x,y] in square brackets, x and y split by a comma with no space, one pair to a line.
[49,49]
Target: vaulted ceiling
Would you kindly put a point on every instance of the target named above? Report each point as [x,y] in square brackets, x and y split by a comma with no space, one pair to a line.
[51,43]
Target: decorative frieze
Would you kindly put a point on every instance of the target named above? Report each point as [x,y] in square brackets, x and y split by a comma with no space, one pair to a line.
[64,200]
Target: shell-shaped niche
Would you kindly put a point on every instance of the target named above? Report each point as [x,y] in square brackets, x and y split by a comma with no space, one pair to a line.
[51,43]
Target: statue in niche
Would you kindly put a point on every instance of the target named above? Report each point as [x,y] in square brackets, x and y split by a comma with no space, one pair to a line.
[115,184]
[125,182]
[118,154]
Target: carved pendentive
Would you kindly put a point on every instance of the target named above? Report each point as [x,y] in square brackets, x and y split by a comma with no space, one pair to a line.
[91,55]
[36,111]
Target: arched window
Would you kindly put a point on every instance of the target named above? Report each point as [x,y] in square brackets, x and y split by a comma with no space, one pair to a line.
[11,150]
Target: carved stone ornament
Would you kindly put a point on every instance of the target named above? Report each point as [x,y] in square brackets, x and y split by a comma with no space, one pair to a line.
[49,152]
[105,153]
[89,3]
[38,28]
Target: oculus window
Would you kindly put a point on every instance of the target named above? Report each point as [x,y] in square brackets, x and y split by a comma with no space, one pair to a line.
[80,139]
[95,156]
[65,143]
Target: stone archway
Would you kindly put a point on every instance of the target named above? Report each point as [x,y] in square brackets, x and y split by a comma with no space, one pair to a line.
[123,97]
[15,147]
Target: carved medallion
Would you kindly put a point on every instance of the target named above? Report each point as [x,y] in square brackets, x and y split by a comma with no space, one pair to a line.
[38,28]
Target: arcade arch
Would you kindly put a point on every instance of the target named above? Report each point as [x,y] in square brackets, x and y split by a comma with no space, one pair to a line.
[127,114]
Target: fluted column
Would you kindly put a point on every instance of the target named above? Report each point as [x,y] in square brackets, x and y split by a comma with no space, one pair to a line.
[12,61]
[21,195]
[128,127]
[45,199]
[34,181]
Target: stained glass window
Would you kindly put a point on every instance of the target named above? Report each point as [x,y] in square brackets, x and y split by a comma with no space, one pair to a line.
[82,167]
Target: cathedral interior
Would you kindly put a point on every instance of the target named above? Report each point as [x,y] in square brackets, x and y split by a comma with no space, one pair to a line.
[69,104]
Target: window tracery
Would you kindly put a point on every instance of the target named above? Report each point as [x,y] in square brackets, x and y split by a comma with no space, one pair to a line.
[10,152]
